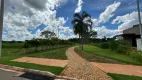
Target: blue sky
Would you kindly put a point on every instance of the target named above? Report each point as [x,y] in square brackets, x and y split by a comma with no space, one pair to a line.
[26,19]
[95,8]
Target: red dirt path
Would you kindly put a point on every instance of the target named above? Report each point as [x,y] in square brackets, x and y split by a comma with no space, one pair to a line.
[42,61]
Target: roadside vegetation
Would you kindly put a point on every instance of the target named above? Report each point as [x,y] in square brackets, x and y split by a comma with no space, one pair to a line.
[13,50]
[124,77]
[37,45]
[90,51]
[52,54]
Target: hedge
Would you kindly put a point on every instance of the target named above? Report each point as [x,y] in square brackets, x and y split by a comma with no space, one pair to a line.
[46,42]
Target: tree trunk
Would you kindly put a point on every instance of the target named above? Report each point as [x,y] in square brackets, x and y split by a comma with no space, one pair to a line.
[82,40]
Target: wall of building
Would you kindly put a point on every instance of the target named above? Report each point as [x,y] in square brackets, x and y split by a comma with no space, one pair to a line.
[139,45]
[129,40]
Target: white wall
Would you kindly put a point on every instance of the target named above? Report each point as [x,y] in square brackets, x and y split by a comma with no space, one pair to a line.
[139,45]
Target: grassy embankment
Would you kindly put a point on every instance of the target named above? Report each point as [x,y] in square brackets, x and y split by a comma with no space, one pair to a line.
[14,50]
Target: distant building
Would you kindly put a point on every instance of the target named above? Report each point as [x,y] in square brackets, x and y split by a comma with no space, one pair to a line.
[130,35]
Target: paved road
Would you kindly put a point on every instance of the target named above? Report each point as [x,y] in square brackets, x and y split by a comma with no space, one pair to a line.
[7,75]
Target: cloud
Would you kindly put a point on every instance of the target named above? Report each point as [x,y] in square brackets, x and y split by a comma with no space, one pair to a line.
[103,18]
[22,15]
[103,31]
[79,6]
[126,21]
[38,4]
[107,14]
[65,32]
[41,4]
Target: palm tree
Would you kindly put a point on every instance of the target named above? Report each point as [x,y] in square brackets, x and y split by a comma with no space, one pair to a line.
[92,34]
[82,24]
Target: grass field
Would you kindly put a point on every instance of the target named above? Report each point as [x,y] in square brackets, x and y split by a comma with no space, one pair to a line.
[12,52]
[12,45]
[91,51]
[52,54]
[124,77]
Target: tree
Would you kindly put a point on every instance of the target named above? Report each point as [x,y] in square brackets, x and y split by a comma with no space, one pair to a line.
[48,34]
[82,24]
[93,34]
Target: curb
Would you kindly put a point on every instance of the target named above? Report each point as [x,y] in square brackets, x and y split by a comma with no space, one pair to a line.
[38,72]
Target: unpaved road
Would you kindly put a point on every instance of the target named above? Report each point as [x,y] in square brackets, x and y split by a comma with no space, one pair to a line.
[43,61]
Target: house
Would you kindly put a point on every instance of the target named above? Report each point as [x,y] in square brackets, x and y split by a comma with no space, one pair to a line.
[130,35]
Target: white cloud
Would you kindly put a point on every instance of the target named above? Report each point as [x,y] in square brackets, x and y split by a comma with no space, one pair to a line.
[79,6]
[107,14]
[65,32]
[103,31]
[126,21]
[103,18]
[21,15]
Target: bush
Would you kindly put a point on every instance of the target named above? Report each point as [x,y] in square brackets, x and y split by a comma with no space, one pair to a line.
[123,49]
[46,42]
[136,55]
[113,45]
[123,42]
[26,45]
[120,46]
[105,45]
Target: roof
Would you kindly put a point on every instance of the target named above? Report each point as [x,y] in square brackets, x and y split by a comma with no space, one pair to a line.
[133,30]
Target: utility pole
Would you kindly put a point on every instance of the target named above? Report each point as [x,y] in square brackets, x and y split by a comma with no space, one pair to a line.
[1,24]
[139,17]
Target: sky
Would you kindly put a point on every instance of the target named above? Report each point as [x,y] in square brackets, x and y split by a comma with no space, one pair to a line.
[26,19]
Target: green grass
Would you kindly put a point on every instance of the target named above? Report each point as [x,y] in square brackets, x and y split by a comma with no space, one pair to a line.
[52,69]
[124,77]
[93,50]
[12,45]
[52,54]
[11,53]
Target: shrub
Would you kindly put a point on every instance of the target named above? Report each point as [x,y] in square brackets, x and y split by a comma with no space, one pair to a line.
[96,44]
[136,55]
[123,49]
[105,45]
[46,42]
[113,45]
[123,42]
[26,45]
[120,46]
